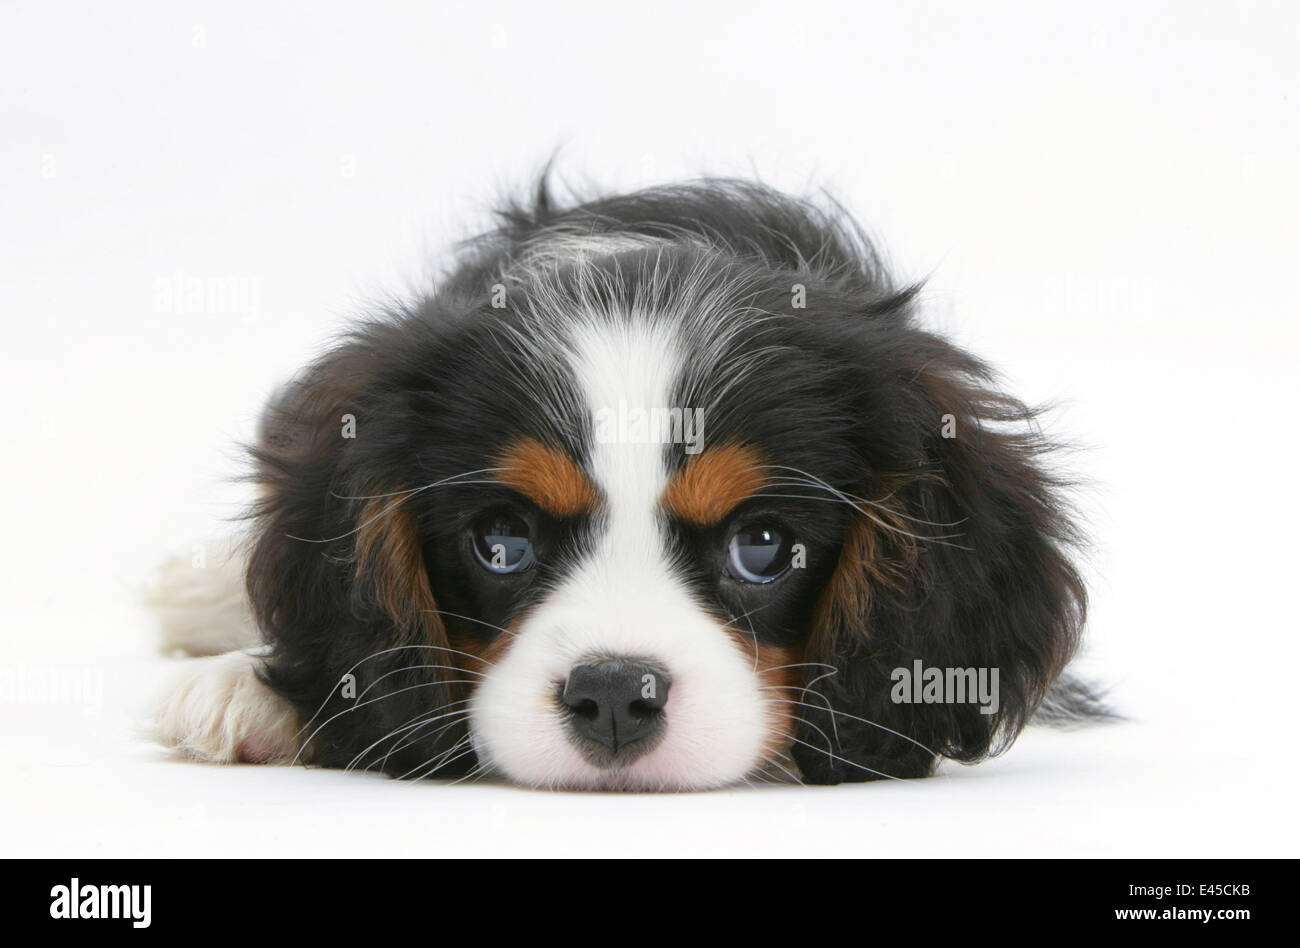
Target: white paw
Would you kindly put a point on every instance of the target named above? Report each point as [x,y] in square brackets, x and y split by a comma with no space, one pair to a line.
[219,711]
[200,601]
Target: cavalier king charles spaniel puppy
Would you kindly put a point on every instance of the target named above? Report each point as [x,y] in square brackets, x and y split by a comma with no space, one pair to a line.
[662,491]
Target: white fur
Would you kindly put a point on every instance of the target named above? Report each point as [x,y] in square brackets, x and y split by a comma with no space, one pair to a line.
[557,247]
[200,601]
[218,710]
[623,600]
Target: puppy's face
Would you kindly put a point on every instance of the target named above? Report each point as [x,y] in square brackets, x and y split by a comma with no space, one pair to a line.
[642,512]
[642,609]
[637,563]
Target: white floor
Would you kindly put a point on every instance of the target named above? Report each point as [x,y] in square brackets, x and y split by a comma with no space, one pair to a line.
[78,785]
[1105,203]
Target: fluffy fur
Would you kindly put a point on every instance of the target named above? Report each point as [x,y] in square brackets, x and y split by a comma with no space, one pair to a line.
[927,525]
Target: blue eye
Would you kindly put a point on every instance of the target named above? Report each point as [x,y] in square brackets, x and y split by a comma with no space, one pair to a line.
[759,553]
[503,543]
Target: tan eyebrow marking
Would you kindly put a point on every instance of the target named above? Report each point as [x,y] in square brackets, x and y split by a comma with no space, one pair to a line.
[548,477]
[711,484]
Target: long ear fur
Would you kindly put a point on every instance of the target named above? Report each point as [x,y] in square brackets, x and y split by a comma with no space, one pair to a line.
[961,561]
[338,582]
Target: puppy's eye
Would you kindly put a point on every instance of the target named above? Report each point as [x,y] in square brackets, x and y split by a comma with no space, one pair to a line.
[503,542]
[759,553]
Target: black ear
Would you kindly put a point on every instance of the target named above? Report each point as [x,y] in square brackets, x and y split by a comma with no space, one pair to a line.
[958,558]
[337,577]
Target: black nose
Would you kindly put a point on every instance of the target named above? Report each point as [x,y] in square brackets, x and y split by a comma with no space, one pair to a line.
[617,703]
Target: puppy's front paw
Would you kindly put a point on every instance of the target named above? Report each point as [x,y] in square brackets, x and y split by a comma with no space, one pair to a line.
[220,711]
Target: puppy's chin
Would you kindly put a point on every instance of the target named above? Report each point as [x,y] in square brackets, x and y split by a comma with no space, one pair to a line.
[554,763]
[561,767]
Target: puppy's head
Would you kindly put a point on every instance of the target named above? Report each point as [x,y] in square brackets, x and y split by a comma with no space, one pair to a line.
[657,492]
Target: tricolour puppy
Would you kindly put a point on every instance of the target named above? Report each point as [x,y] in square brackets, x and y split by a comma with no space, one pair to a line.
[660,491]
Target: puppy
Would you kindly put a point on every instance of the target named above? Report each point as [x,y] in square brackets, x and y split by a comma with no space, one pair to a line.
[663,491]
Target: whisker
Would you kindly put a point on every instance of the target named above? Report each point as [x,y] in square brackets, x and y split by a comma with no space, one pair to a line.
[808,689]
[846,497]
[940,540]
[411,725]
[456,615]
[398,671]
[440,764]
[416,490]
[415,722]
[457,717]
[752,634]
[842,760]
[762,770]
[854,717]
[461,719]
[812,480]
[402,498]
[437,760]
[406,668]
[795,717]
[357,707]
[478,772]
[385,651]
[795,777]
[798,665]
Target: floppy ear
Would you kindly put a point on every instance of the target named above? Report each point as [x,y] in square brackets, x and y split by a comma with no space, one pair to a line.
[337,577]
[958,559]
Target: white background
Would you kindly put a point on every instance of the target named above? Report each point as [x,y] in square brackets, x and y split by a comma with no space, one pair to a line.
[1103,198]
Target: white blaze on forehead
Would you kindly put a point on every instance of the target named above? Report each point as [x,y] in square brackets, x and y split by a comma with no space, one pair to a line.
[627,369]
